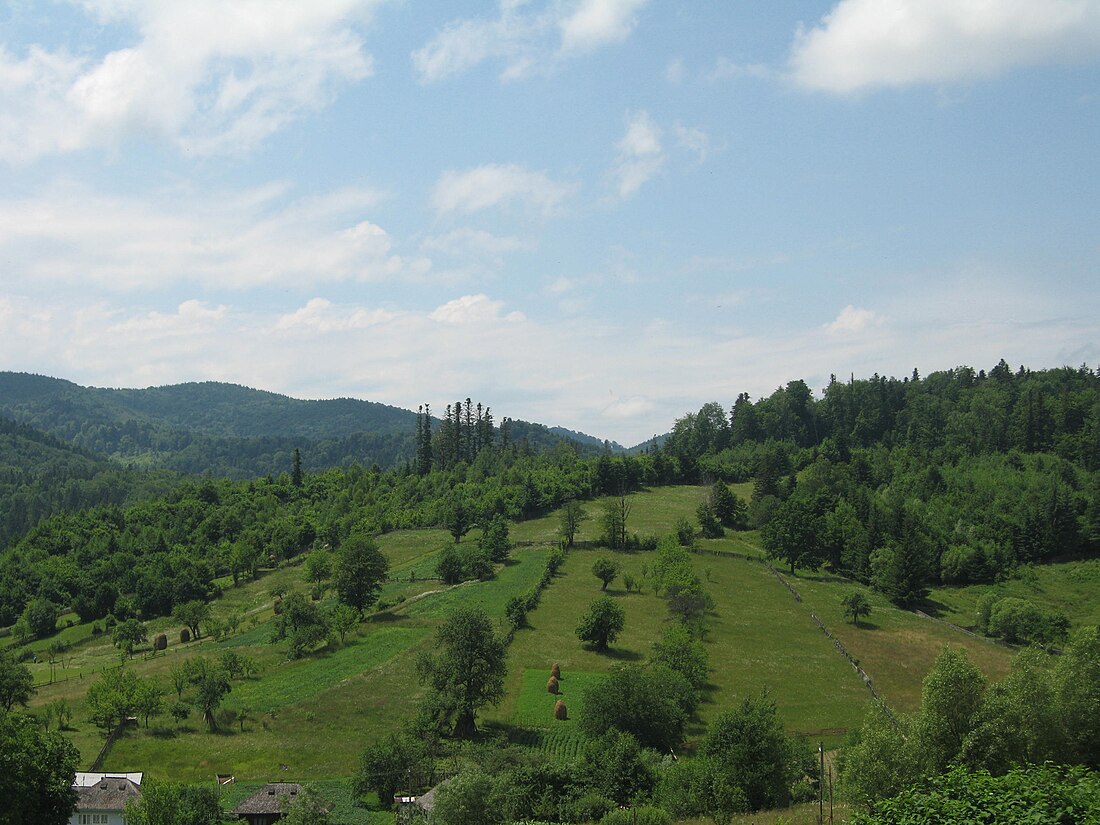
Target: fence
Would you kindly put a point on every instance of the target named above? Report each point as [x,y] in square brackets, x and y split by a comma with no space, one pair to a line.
[841,649]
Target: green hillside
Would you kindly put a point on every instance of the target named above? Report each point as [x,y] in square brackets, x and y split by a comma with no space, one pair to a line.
[317,713]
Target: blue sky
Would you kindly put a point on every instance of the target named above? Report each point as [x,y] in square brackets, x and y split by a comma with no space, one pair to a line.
[594,213]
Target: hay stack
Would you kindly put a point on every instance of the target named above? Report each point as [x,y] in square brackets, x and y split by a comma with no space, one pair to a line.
[552,685]
[559,710]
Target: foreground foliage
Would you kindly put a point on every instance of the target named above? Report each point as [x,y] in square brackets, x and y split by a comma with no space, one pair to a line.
[1038,794]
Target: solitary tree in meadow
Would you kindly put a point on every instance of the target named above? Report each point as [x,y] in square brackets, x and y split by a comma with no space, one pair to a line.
[855,606]
[605,570]
[603,623]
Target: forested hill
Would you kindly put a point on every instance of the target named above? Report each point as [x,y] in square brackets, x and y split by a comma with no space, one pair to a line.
[41,475]
[956,477]
[222,429]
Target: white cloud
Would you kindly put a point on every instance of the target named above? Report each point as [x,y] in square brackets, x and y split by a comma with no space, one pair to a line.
[694,139]
[206,75]
[473,309]
[627,408]
[561,286]
[862,44]
[191,318]
[319,315]
[596,22]
[640,154]
[525,41]
[539,370]
[496,184]
[675,71]
[233,240]
[853,320]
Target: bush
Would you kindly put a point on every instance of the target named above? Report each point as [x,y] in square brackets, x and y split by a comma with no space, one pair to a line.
[644,815]
[591,807]
[1019,621]
[647,702]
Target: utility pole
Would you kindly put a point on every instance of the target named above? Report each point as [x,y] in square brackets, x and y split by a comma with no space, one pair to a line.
[821,785]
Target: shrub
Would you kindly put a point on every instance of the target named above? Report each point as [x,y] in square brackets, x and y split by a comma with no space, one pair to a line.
[644,815]
[516,611]
[591,807]
[685,532]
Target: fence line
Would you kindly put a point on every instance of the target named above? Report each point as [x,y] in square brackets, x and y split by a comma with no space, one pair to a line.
[841,649]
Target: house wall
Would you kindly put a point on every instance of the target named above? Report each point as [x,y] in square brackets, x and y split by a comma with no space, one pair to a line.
[97,818]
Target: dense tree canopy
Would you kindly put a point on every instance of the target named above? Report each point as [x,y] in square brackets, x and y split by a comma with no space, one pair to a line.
[466,671]
[38,769]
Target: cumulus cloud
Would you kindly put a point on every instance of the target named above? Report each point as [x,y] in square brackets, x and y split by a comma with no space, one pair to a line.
[596,22]
[525,40]
[473,309]
[191,318]
[864,44]
[497,184]
[206,75]
[228,239]
[640,154]
[319,315]
[852,320]
[535,369]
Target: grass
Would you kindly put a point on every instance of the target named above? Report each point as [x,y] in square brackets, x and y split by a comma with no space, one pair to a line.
[300,681]
[535,707]
[896,647]
[1068,587]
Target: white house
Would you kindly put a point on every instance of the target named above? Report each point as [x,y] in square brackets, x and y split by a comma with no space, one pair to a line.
[101,797]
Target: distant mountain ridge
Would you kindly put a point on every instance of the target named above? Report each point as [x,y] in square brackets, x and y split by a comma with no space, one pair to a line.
[226,429]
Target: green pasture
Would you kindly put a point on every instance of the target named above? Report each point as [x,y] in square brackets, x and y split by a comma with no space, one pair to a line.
[535,706]
[300,681]
[895,647]
[1069,587]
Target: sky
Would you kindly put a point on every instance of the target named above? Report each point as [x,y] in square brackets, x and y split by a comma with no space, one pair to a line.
[598,214]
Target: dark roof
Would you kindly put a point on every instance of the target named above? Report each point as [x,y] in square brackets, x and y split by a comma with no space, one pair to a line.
[426,801]
[109,794]
[266,799]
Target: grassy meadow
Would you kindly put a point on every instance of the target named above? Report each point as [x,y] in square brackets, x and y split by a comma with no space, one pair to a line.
[309,719]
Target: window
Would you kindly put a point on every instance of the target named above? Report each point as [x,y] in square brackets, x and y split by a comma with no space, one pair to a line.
[93,819]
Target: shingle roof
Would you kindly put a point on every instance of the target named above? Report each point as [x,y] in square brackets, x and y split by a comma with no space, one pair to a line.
[266,799]
[109,794]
